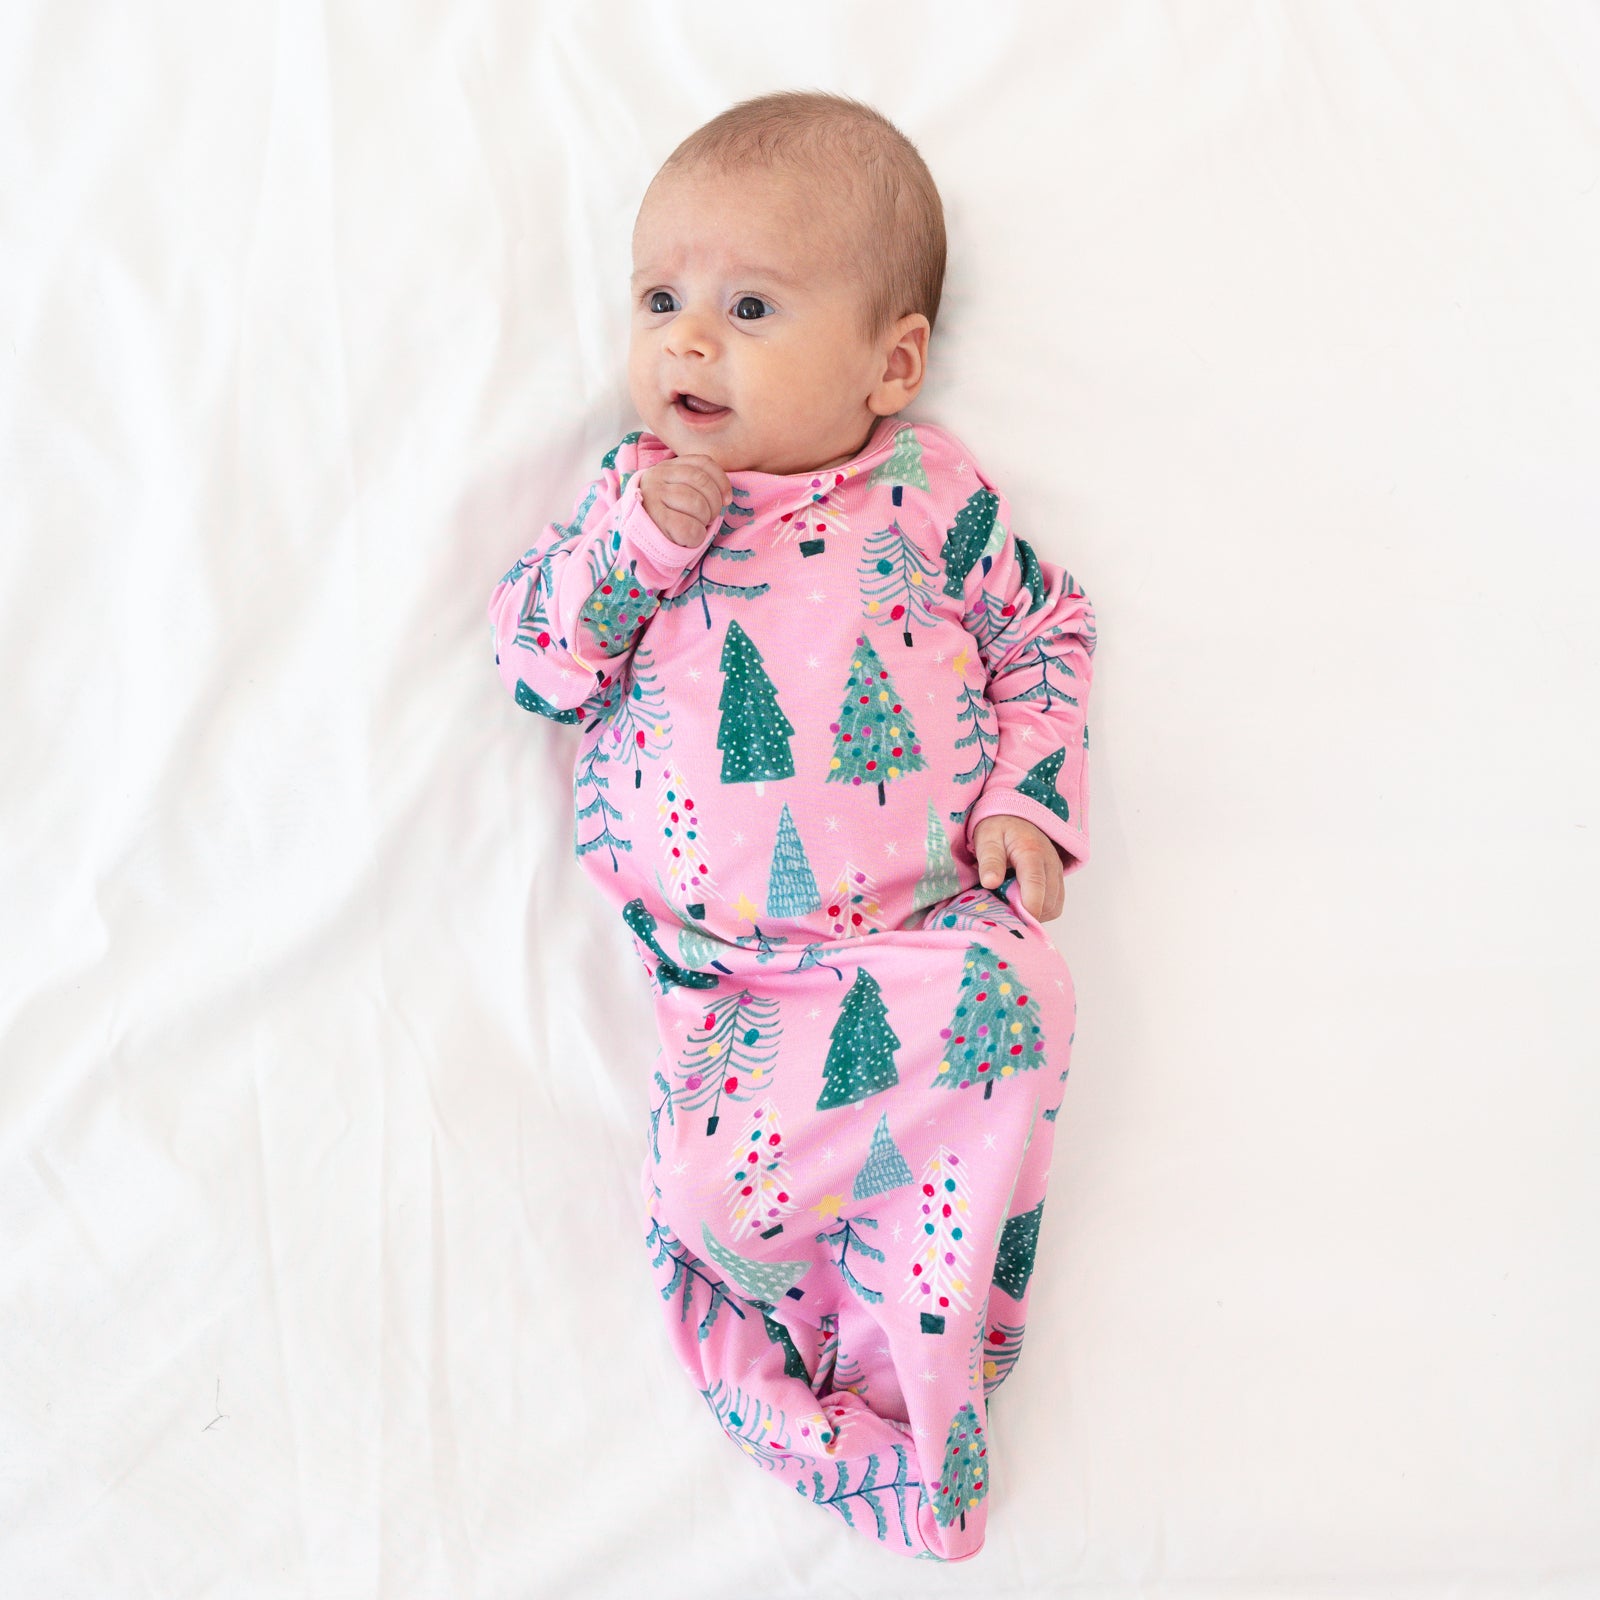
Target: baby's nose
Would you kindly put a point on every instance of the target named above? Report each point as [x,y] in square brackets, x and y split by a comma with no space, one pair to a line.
[691,333]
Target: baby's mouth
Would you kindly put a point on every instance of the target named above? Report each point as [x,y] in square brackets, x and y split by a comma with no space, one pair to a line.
[696,406]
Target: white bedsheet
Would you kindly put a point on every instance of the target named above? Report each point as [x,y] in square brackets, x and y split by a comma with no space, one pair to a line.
[322,1079]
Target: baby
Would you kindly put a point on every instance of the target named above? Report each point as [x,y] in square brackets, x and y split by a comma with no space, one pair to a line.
[832,768]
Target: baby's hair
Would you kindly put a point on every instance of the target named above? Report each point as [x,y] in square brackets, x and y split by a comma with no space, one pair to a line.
[834,139]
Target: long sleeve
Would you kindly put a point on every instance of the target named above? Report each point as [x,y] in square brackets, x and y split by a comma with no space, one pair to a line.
[1034,631]
[567,615]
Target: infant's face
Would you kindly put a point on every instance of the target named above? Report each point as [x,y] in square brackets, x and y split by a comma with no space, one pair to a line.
[735,303]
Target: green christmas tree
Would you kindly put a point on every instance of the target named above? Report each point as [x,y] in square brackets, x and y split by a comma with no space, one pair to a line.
[791,887]
[964,1471]
[861,1047]
[996,1030]
[939,882]
[1018,1242]
[885,1168]
[731,1052]
[609,460]
[617,608]
[766,1282]
[968,539]
[874,740]
[754,733]
[1039,783]
[904,464]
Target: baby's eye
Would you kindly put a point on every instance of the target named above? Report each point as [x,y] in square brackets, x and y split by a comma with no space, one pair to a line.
[657,298]
[751,308]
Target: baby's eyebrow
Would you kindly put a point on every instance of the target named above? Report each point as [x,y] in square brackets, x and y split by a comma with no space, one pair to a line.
[738,269]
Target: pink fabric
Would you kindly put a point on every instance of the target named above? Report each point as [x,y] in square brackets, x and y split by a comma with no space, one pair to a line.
[787,738]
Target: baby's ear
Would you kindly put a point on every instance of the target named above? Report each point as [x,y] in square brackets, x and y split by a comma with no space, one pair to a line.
[905,365]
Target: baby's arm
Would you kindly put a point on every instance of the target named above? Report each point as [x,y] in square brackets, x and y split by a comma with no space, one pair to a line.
[567,615]
[1034,631]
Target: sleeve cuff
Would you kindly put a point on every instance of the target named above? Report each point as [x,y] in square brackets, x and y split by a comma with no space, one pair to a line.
[660,562]
[1072,844]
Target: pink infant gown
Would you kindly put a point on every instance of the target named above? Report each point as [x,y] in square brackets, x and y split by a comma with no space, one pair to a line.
[787,737]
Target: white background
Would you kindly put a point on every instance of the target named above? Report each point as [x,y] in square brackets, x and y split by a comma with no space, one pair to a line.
[322,1070]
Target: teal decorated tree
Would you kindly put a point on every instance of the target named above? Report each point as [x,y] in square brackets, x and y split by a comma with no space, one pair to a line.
[593,818]
[996,1029]
[875,738]
[766,1282]
[940,881]
[1039,783]
[941,1254]
[896,581]
[761,1432]
[991,621]
[791,888]
[974,706]
[904,465]
[757,1190]
[618,606]
[845,1237]
[730,1054]
[884,1169]
[1002,1344]
[861,1047]
[1019,1240]
[635,715]
[533,621]
[964,1470]
[976,533]
[702,586]
[754,733]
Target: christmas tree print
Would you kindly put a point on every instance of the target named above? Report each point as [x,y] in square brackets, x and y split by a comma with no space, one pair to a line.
[701,587]
[991,622]
[964,1471]
[757,1190]
[663,1104]
[874,740]
[618,606]
[765,1282]
[1018,1241]
[1054,1111]
[811,521]
[533,621]
[1039,783]
[973,535]
[847,1239]
[996,1030]
[591,821]
[981,909]
[791,888]
[974,706]
[609,461]
[730,1054]
[940,881]
[1002,1344]
[870,1493]
[853,908]
[532,700]
[699,949]
[636,717]
[896,581]
[848,1378]
[940,1257]
[1053,669]
[884,1169]
[861,1047]
[820,1382]
[686,1275]
[642,924]
[754,733]
[793,1365]
[688,876]
[761,1432]
[904,465]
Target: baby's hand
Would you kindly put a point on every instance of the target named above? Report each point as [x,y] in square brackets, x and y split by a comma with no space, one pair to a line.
[684,496]
[1032,853]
